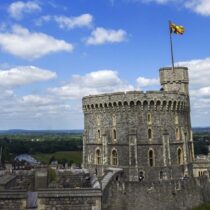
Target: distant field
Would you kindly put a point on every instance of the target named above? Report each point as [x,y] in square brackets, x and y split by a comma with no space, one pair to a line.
[70,156]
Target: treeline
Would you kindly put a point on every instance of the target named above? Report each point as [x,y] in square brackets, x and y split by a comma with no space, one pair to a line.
[17,145]
[201,143]
[42,137]
[32,144]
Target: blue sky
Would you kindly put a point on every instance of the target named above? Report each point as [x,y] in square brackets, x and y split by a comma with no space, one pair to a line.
[52,53]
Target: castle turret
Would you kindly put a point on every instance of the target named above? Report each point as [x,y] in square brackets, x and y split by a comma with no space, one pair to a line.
[175,80]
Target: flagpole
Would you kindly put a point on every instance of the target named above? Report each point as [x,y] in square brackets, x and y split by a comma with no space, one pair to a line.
[171,45]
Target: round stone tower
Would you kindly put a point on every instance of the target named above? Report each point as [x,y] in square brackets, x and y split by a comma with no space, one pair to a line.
[147,134]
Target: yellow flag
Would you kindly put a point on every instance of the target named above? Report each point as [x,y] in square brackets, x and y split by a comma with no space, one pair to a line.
[176,29]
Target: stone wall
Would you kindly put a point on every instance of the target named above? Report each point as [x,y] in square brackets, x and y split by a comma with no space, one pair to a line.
[117,194]
[14,200]
[165,195]
[74,199]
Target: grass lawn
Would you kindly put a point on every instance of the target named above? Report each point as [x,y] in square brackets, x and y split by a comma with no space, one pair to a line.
[203,207]
[70,156]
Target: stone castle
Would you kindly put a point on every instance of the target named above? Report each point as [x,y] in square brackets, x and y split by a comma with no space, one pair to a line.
[148,135]
[137,155]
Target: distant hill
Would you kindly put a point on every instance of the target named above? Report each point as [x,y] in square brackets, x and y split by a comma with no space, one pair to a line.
[36,132]
[201,129]
[79,131]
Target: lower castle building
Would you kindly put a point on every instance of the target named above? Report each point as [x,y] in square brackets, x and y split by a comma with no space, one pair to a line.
[148,135]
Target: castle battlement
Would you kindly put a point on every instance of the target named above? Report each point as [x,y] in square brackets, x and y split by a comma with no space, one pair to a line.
[150,100]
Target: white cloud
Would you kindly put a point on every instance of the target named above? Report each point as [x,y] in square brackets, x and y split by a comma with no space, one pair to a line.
[19,8]
[101,36]
[201,92]
[36,100]
[201,7]
[43,19]
[84,20]
[199,71]
[39,112]
[31,45]
[157,1]
[199,74]
[101,81]
[24,75]
[145,82]
[5,94]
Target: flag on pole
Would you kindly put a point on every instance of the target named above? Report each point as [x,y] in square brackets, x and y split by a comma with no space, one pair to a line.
[176,29]
[173,28]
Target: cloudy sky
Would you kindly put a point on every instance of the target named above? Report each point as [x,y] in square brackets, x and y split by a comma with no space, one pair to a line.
[54,52]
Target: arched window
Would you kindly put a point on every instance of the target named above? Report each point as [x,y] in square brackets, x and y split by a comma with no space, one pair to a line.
[177,134]
[114,157]
[141,173]
[114,134]
[149,133]
[145,105]
[179,156]
[151,158]
[125,103]
[98,156]
[132,103]
[141,176]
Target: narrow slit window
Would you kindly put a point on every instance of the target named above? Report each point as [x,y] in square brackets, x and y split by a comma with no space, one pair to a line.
[149,118]
[149,134]
[114,134]
[180,156]
[151,158]
[99,134]
[98,157]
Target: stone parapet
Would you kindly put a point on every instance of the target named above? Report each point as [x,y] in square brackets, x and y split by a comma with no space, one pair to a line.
[145,101]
